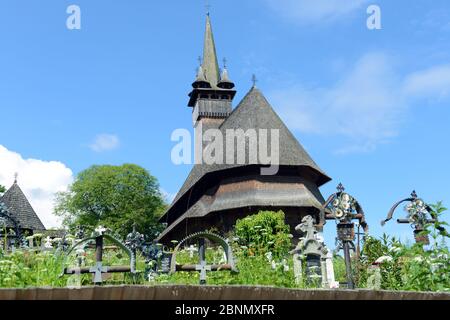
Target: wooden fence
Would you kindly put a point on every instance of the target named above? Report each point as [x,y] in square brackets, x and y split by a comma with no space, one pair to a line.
[177,292]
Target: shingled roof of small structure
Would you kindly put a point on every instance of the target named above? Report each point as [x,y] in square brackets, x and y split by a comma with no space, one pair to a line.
[255,112]
[20,208]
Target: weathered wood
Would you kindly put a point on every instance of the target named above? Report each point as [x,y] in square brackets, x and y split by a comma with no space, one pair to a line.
[214,267]
[88,269]
[178,292]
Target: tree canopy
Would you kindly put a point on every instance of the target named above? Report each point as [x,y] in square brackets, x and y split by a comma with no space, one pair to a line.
[2,189]
[116,197]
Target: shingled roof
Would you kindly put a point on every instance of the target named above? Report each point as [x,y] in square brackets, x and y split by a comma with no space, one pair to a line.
[20,209]
[255,112]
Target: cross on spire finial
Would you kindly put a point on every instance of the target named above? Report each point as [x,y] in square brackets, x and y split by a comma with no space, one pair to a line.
[207,7]
[340,187]
[199,60]
[224,63]
[16,174]
[254,80]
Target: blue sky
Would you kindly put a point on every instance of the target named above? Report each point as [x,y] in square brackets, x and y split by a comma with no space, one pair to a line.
[370,106]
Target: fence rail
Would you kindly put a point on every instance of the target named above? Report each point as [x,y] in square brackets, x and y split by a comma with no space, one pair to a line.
[177,292]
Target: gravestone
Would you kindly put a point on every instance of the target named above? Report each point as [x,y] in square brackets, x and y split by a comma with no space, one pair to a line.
[374,277]
[312,251]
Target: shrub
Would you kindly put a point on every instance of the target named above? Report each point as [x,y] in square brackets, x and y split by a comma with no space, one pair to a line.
[264,232]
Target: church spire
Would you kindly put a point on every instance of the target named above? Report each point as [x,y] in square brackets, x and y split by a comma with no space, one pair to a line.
[210,65]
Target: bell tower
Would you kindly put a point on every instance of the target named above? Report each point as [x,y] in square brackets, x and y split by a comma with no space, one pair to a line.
[212,94]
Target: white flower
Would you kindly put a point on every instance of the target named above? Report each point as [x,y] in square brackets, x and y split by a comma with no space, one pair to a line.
[274,265]
[436,266]
[395,249]
[383,259]
[269,256]
[418,259]
[442,256]
[285,265]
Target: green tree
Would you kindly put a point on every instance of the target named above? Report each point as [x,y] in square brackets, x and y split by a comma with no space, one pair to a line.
[113,196]
[2,189]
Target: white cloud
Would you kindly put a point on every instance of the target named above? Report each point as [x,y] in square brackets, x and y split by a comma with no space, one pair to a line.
[315,11]
[105,142]
[434,82]
[362,106]
[366,106]
[38,179]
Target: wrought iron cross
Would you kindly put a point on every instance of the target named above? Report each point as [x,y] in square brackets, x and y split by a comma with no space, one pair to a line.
[191,250]
[340,187]
[98,269]
[254,80]
[202,267]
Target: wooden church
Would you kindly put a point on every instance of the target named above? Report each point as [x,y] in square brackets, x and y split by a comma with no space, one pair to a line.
[18,212]
[216,195]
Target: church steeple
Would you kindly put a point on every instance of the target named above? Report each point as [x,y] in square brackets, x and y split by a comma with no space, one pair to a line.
[210,65]
[212,92]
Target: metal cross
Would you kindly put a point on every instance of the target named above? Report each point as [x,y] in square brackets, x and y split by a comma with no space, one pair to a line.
[16,174]
[100,230]
[202,267]
[191,250]
[340,187]
[207,6]
[254,80]
[224,63]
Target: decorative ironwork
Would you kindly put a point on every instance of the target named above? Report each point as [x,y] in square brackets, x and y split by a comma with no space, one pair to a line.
[202,266]
[417,216]
[134,240]
[6,216]
[343,208]
[98,270]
